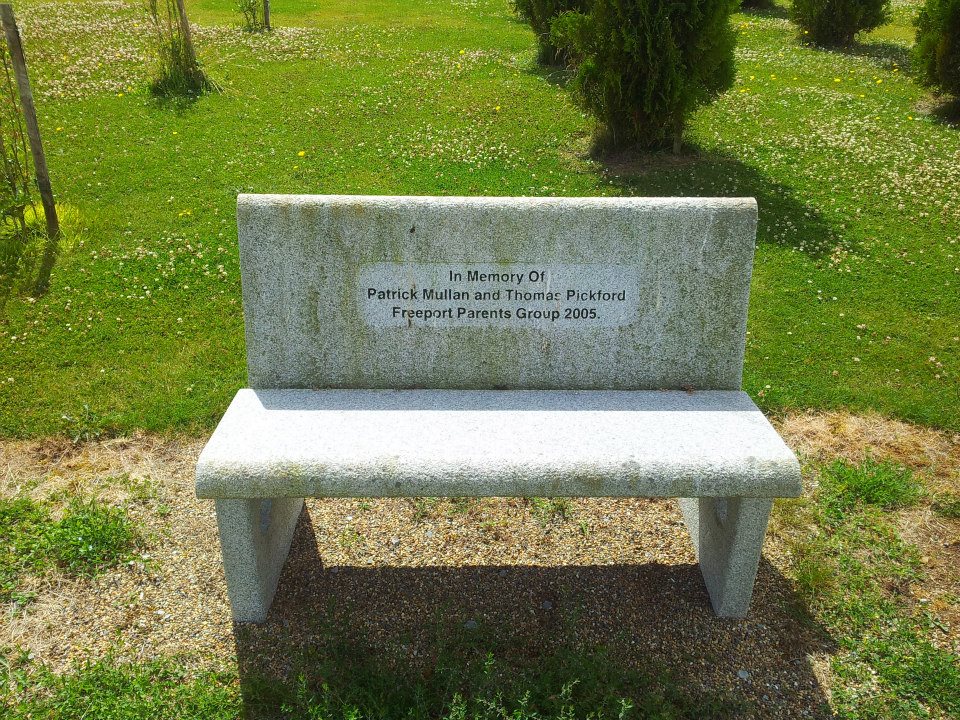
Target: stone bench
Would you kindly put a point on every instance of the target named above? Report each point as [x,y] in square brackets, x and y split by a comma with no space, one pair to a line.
[633,392]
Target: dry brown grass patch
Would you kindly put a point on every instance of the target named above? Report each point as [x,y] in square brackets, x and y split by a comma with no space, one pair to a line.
[826,436]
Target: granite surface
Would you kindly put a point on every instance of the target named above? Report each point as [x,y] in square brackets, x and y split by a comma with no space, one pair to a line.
[445,443]
[475,293]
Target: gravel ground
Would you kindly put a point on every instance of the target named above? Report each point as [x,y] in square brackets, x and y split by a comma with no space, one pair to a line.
[385,572]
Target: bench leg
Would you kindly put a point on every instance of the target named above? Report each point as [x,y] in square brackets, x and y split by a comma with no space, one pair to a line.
[727,535]
[255,538]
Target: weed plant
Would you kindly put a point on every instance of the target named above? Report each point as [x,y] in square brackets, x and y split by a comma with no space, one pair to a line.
[948,506]
[23,529]
[89,538]
[479,678]
[468,682]
[549,510]
[884,485]
[116,691]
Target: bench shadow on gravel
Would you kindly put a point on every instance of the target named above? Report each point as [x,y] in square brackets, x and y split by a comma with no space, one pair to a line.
[402,638]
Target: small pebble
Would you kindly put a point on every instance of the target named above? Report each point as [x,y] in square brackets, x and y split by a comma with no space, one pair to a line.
[743,674]
[546,605]
[470,625]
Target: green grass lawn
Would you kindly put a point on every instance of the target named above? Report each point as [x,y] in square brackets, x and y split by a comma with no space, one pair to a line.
[855,295]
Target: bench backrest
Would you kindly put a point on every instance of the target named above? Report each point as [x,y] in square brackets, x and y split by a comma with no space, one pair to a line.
[520,293]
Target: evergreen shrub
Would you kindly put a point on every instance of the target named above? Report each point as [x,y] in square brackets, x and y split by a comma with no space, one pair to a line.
[936,55]
[837,22]
[538,14]
[643,66]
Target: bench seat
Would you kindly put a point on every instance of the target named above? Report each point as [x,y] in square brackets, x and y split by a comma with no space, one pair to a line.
[714,450]
[449,443]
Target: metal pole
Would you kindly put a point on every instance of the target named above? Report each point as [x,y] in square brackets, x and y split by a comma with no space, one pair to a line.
[36,146]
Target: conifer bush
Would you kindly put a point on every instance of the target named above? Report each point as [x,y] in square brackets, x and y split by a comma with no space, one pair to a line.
[643,66]
[539,14]
[837,22]
[936,54]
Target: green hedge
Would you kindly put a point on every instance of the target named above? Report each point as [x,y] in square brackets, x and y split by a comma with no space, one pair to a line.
[937,52]
[837,22]
[643,66]
[539,14]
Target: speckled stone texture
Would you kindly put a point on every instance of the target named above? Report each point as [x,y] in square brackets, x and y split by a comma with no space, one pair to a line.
[639,398]
[255,538]
[455,443]
[727,535]
[302,258]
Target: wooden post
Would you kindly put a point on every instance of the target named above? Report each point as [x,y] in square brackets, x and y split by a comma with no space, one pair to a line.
[266,14]
[36,146]
[185,32]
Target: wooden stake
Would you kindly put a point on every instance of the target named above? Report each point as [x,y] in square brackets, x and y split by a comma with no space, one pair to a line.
[36,146]
[185,31]
[266,14]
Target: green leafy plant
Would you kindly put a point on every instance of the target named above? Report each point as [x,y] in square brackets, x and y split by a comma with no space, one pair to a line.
[885,485]
[121,691]
[548,510]
[539,14]
[937,51]
[90,537]
[837,22]
[643,66]
[85,426]
[947,505]
[347,682]
[22,547]
[251,15]
[178,72]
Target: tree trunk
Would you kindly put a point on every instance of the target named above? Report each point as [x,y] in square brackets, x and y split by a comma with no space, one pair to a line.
[36,147]
[185,33]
